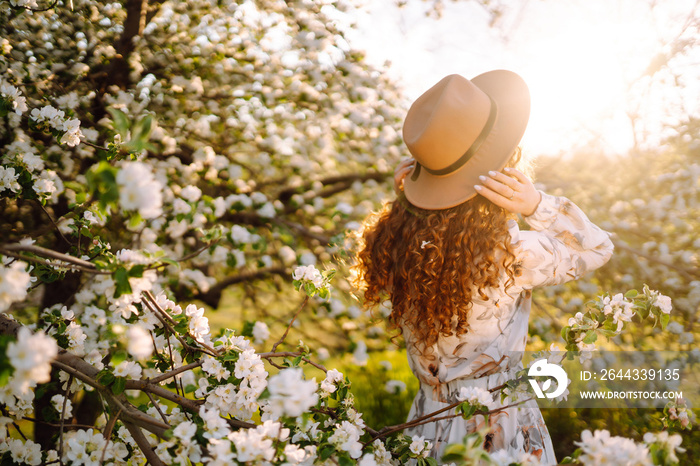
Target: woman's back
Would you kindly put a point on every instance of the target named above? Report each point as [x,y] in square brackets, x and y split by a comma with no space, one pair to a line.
[458,270]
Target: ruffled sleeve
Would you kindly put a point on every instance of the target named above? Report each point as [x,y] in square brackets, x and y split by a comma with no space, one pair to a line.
[562,245]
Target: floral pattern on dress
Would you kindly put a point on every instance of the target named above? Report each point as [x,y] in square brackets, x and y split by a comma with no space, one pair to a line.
[562,245]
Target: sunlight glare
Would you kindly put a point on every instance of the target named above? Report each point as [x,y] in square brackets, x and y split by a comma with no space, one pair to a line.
[579,75]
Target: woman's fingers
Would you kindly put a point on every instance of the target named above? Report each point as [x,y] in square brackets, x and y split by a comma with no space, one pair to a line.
[495,197]
[400,173]
[520,176]
[505,179]
[516,195]
[501,184]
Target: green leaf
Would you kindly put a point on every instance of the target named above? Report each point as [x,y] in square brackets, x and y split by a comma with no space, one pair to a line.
[310,289]
[326,452]
[564,332]
[105,377]
[591,336]
[102,184]
[121,122]
[142,129]
[5,374]
[135,220]
[345,461]
[631,294]
[119,385]
[665,318]
[137,271]
[454,452]
[169,261]
[121,277]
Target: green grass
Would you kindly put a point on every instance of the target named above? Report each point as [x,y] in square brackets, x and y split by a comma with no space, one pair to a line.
[379,407]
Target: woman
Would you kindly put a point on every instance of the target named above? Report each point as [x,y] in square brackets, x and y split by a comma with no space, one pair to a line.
[452,260]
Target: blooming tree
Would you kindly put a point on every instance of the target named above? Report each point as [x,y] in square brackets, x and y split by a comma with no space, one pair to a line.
[159,153]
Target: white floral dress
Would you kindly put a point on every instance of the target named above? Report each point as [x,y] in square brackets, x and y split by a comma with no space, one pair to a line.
[562,245]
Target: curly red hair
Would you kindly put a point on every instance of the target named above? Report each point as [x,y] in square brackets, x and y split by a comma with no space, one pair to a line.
[431,264]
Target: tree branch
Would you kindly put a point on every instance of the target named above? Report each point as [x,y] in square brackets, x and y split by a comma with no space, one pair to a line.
[291,354]
[213,296]
[303,304]
[73,262]
[346,181]
[687,273]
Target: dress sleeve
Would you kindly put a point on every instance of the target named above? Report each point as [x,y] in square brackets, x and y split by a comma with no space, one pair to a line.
[562,245]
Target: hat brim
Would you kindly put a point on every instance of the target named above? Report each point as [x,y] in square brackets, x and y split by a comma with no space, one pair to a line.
[512,98]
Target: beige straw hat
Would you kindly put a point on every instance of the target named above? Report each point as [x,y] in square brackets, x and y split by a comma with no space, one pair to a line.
[460,129]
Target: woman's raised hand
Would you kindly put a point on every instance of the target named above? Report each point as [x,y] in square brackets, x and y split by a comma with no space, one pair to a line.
[513,191]
[402,169]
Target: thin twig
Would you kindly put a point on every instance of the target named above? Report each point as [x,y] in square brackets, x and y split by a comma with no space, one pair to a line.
[14,423]
[54,223]
[211,351]
[39,260]
[145,386]
[53,424]
[291,354]
[108,434]
[48,253]
[174,372]
[133,414]
[686,272]
[144,445]
[63,417]
[155,405]
[274,347]
[161,316]
[431,418]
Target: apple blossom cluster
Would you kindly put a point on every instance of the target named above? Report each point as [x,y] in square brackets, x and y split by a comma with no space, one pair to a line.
[290,394]
[23,452]
[29,357]
[607,315]
[14,282]
[420,447]
[13,97]
[601,447]
[308,273]
[476,396]
[49,117]
[678,415]
[139,191]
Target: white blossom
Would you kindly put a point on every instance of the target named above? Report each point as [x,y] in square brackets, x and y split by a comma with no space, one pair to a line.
[128,369]
[8,179]
[14,282]
[420,447]
[663,302]
[31,357]
[476,395]
[57,402]
[290,394]
[260,332]
[347,437]
[139,342]
[139,190]
[328,385]
[14,95]
[191,193]
[395,386]
[600,447]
